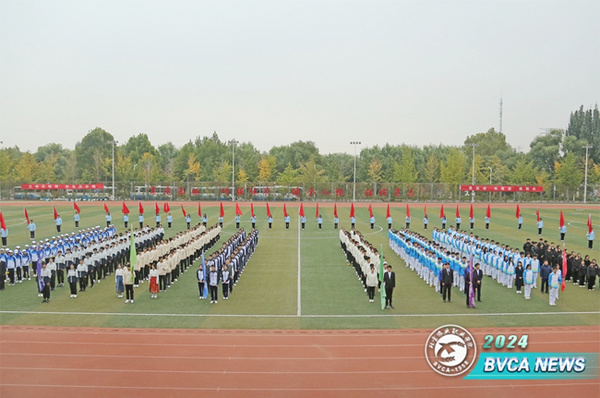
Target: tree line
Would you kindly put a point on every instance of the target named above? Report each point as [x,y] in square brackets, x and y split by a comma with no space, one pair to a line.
[556,157]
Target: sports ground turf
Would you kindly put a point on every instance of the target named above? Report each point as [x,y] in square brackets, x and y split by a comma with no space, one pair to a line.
[299,279]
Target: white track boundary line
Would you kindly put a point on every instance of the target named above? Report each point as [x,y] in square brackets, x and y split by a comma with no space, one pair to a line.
[300,316]
[299,287]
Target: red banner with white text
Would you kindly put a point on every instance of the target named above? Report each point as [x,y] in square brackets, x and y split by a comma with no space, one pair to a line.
[62,186]
[502,188]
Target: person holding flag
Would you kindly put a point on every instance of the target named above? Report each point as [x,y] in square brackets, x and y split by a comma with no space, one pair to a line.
[125,212]
[388,217]
[302,217]
[457,219]
[221,215]
[157,214]
[108,218]
[371,217]
[141,215]
[269,216]
[3,230]
[540,223]
[590,233]
[76,215]
[31,227]
[169,220]
[238,215]
[562,227]
[407,218]
[471,217]
[336,219]
[352,218]
[57,220]
[519,217]
[286,217]
[425,218]
[188,220]
[443,217]
[252,216]
[488,215]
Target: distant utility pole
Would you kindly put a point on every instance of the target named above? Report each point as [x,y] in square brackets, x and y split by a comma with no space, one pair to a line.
[355,143]
[501,113]
[473,175]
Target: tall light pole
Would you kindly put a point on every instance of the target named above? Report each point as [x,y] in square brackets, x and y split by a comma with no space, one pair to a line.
[113,169]
[233,143]
[355,143]
[473,176]
[587,147]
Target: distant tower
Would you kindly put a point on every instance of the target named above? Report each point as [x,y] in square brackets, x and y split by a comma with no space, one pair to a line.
[501,113]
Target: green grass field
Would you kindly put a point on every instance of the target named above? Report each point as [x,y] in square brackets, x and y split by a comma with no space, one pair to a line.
[299,279]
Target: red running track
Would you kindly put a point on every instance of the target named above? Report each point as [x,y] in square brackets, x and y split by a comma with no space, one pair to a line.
[69,362]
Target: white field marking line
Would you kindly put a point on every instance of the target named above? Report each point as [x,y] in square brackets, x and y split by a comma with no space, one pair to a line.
[369,389]
[299,287]
[196,357]
[220,372]
[303,316]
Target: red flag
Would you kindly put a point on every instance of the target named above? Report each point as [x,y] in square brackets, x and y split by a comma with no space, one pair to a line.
[407,211]
[183,211]
[352,210]
[222,212]
[105,209]
[252,209]
[317,211]
[2,223]
[411,193]
[238,211]
[562,219]
[76,207]
[55,212]
[124,208]
[284,211]
[27,217]
[425,211]
[589,224]
[301,212]
[153,190]
[518,214]
[564,269]
[370,211]
[140,208]
[387,213]
[457,212]
[335,210]
[268,210]
[442,214]
[166,207]
[199,210]
[537,214]
[156,208]
[488,212]
[471,211]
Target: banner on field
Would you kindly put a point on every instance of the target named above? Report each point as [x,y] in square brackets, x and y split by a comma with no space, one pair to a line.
[62,186]
[502,188]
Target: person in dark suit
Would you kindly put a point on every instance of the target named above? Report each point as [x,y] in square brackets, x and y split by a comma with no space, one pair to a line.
[447,280]
[389,278]
[477,279]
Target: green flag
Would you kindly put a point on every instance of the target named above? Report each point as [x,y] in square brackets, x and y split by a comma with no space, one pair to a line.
[382,285]
[132,256]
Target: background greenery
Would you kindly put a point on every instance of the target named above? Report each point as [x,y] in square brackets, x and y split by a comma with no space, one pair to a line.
[331,295]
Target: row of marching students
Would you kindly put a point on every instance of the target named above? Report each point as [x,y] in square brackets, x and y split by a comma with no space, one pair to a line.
[163,263]
[226,265]
[362,256]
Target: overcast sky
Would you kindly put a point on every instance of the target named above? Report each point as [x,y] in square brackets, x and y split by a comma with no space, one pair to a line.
[274,72]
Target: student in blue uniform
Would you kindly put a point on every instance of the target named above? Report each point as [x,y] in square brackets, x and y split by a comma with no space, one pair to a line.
[590,237]
[303,221]
[270,221]
[389,222]
[563,231]
[237,221]
[76,218]
[336,221]
[108,218]
[157,219]
[125,219]
[540,226]
[188,220]
[425,222]
[141,220]
[253,221]
[372,221]
[204,220]
[58,223]
[407,221]
[169,220]
[287,222]
[520,221]
[320,221]
[31,227]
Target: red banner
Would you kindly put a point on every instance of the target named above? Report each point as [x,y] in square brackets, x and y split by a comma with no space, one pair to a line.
[62,186]
[502,188]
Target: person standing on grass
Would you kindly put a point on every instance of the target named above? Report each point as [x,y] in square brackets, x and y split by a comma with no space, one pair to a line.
[128,280]
[125,219]
[169,220]
[583,268]
[372,281]
[153,282]
[76,218]
[45,276]
[320,221]
[120,287]
[287,221]
[82,275]
[563,231]
[201,281]
[58,223]
[389,279]
[31,227]
[204,220]
[225,279]
[72,280]
[528,278]
[554,280]
[590,237]
[591,274]
[270,221]
[545,274]
[519,277]
[108,219]
[213,283]
[447,278]
[4,235]
[540,226]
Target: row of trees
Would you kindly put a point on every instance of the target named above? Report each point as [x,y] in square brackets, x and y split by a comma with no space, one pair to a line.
[554,158]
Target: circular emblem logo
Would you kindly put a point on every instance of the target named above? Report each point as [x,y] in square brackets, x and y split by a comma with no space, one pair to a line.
[450,350]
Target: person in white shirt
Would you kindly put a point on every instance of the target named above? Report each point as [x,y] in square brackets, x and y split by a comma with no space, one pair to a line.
[119,281]
[72,280]
[371,281]
[153,282]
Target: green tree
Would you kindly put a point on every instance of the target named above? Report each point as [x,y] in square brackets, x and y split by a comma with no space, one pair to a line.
[266,168]
[488,144]
[295,154]
[405,170]
[91,152]
[545,150]
[222,172]
[431,171]
[453,169]
[137,146]
[311,173]
[524,173]
[26,168]
[568,173]
[375,172]
[584,129]
[289,176]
